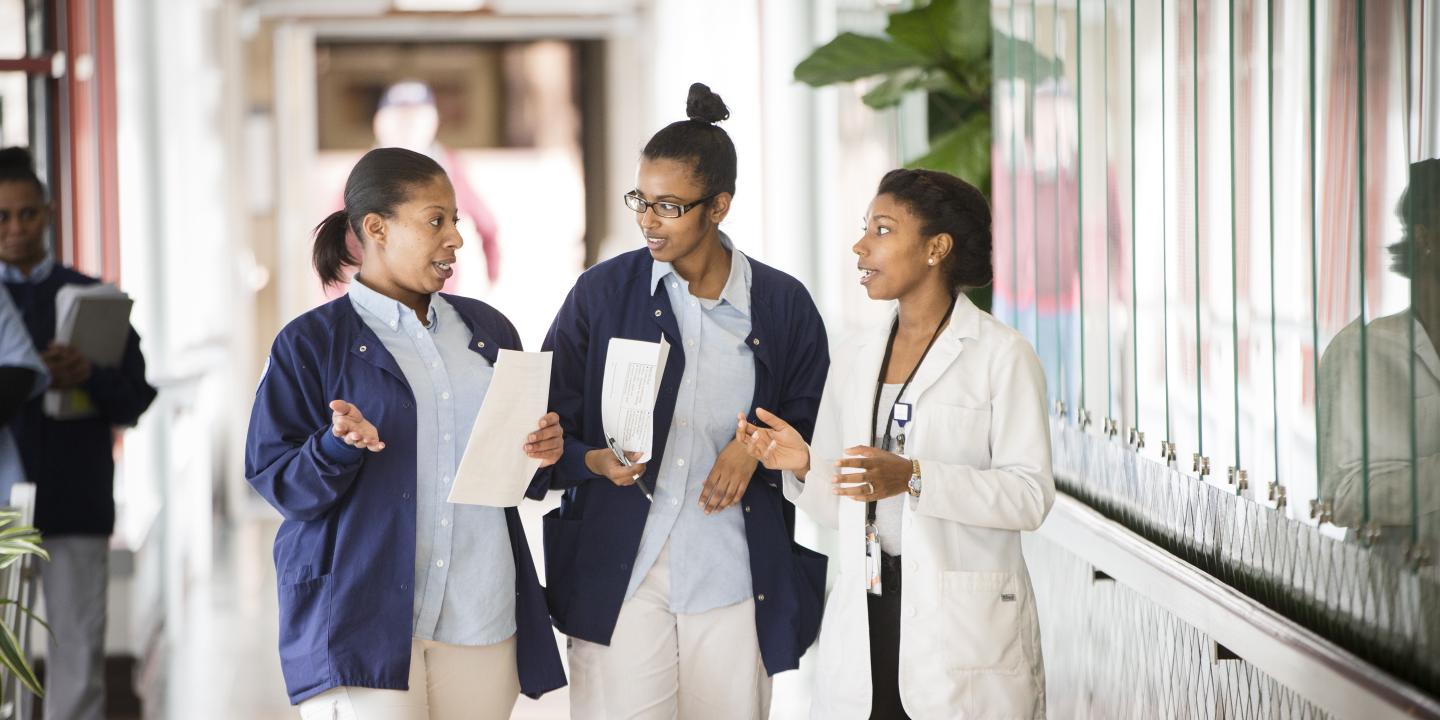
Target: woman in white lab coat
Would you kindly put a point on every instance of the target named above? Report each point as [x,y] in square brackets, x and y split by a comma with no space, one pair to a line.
[936,418]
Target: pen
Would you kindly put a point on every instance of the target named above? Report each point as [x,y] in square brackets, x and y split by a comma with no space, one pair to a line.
[626,462]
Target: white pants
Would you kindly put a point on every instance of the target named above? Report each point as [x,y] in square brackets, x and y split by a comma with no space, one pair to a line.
[663,665]
[74,585]
[479,682]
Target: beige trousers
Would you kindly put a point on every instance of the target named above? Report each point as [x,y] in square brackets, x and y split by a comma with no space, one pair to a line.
[660,665]
[446,681]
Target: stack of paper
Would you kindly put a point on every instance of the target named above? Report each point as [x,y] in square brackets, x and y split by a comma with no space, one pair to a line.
[633,369]
[495,471]
[94,319]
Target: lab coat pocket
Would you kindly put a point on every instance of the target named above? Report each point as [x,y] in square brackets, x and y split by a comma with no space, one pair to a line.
[956,434]
[305,631]
[980,626]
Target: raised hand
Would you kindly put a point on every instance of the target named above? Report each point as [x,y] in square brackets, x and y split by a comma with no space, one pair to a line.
[778,447]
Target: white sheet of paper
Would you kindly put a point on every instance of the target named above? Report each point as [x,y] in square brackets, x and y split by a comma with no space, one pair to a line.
[633,369]
[495,470]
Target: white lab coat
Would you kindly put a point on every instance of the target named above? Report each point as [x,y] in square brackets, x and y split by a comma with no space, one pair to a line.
[969,633]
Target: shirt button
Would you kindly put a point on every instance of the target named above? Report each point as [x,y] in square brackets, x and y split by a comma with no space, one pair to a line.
[683,422]
[419,333]
[444,522]
[687,381]
[910,611]
[674,502]
[445,396]
[680,462]
[674,284]
[690,343]
[914,565]
[439,563]
[447,437]
[435,364]
[445,480]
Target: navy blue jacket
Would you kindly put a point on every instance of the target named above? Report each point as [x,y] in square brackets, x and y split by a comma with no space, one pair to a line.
[345,553]
[592,539]
[72,462]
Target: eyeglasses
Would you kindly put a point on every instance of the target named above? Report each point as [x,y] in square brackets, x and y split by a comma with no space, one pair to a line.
[662,209]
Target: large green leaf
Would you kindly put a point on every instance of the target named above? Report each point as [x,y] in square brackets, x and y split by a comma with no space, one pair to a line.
[947,31]
[851,57]
[963,151]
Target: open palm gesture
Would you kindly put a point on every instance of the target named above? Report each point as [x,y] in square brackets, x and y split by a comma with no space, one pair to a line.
[778,447]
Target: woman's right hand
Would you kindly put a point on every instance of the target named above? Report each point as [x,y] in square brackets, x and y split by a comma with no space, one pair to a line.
[602,462]
[778,447]
[349,425]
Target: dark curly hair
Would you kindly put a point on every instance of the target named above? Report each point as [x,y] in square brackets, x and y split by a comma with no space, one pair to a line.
[17,165]
[947,204]
[699,141]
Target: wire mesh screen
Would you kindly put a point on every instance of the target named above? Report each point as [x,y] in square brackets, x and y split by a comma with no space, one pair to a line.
[1110,653]
[1367,599]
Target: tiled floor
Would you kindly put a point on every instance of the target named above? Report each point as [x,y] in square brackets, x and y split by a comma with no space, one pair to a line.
[225,665]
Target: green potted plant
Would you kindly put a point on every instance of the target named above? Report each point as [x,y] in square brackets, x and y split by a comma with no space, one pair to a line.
[18,542]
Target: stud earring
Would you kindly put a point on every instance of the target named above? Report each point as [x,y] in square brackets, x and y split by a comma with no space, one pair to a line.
[932,261]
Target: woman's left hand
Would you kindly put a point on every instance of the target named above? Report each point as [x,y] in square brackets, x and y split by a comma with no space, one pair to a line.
[548,442]
[885,474]
[728,478]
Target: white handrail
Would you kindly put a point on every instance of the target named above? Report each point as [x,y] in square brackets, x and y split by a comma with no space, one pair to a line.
[1313,667]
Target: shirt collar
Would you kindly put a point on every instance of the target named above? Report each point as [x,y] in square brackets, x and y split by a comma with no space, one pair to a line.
[737,285]
[388,309]
[38,274]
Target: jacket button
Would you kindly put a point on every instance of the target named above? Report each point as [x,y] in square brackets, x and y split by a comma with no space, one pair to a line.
[747,508]
[658,313]
[755,342]
[405,496]
[480,344]
[362,348]
[760,597]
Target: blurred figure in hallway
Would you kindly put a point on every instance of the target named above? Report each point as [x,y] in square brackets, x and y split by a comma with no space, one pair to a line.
[70,461]
[1371,471]
[407,118]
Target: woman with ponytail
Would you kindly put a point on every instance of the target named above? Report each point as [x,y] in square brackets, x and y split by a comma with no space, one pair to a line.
[394,603]
[677,579]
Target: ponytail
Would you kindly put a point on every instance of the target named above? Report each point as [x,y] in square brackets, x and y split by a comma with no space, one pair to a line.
[332,253]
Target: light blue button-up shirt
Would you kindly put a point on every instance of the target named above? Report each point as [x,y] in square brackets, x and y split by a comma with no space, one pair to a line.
[11,274]
[16,350]
[709,557]
[464,569]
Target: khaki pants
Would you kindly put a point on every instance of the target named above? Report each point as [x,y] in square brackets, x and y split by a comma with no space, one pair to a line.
[446,681]
[662,665]
[74,584]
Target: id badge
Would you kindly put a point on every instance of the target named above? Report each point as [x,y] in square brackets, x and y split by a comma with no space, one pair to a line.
[872,559]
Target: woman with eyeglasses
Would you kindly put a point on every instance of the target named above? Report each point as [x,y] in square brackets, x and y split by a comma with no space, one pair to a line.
[931,453]
[684,594]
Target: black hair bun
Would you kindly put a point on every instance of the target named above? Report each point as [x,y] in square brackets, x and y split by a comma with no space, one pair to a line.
[16,158]
[704,105]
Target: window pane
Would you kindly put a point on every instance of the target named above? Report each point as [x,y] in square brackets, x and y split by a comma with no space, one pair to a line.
[14,109]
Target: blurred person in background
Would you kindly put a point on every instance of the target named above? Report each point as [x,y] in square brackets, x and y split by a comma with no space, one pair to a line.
[1401,482]
[407,118]
[395,604]
[940,412]
[72,461]
[683,606]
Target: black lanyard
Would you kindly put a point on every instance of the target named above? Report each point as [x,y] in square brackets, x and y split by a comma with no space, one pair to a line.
[884,444]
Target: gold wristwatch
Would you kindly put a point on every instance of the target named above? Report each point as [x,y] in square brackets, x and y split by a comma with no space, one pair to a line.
[914,478]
